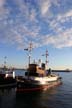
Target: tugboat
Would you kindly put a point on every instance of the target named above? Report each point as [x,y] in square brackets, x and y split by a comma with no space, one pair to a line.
[37,78]
[7,78]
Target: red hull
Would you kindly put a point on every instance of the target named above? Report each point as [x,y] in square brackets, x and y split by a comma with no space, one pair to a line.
[38,88]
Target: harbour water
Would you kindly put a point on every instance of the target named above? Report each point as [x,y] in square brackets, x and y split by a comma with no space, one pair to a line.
[57,97]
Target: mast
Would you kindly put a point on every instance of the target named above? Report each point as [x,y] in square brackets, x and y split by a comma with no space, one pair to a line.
[29,49]
[46,55]
[5,61]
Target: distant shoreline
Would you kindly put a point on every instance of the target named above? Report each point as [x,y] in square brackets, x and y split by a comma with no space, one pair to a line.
[53,70]
[61,70]
[47,70]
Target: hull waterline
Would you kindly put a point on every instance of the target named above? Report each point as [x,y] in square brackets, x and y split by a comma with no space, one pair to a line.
[22,88]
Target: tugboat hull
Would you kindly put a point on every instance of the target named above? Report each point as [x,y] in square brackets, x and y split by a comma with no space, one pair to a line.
[29,86]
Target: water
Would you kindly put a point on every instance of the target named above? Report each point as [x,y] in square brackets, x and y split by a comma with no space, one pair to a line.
[58,97]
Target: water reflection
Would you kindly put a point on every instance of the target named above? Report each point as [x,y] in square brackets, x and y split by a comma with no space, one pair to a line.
[7,98]
[35,100]
[29,100]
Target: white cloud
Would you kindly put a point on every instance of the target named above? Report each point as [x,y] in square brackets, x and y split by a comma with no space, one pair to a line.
[64,39]
[33,15]
[61,40]
[69,13]
[60,22]
[24,27]
[2,3]
[65,15]
[3,11]
[45,5]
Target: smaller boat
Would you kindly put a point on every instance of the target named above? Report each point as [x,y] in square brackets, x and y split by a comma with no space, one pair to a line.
[7,78]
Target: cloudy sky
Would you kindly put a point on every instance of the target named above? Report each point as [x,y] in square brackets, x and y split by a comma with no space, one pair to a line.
[45,23]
